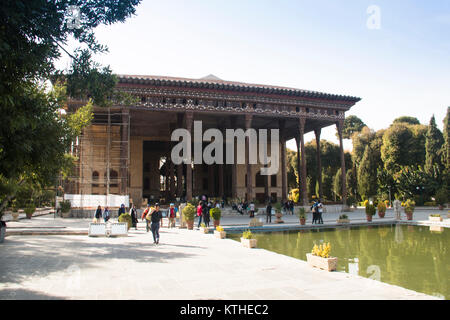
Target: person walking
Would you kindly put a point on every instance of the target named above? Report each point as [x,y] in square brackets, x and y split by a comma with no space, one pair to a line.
[319,211]
[155,217]
[252,209]
[144,216]
[269,213]
[314,212]
[133,214]
[98,214]
[171,215]
[199,213]
[291,206]
[121,210]
[205,213]
[106,214]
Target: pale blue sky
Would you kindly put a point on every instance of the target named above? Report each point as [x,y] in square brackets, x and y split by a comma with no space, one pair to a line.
[401,69]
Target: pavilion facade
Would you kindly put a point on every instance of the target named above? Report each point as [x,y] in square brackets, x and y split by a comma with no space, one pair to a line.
[126,150]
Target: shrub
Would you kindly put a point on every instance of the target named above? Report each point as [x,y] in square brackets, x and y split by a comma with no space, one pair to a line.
[381,207]
[301,213]
[409,206]
[247,234]
[29,210]
[203,225]
[441,196]
[65,206]
[322,251]
[215,213]
[126,217]
[343,216]
[370,209]
[189,212]
[277,207]
[219,228]
[437,215]
[365,203]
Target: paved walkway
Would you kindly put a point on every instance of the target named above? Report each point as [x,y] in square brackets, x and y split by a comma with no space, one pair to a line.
[185,265]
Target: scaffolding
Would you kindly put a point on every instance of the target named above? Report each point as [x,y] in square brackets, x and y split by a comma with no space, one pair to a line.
[103,155]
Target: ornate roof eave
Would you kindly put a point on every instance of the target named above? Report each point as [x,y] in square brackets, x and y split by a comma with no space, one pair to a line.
[232,86]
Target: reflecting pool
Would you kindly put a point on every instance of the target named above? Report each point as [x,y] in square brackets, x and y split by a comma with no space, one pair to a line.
[412,257]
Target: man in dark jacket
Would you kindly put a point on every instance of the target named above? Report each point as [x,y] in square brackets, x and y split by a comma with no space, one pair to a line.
[269,213]
[155,218]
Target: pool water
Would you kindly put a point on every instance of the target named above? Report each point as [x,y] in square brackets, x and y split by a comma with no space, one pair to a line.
[412,257]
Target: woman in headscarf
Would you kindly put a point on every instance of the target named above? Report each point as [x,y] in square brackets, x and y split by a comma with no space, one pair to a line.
[106,214]
[98,214]
[133,214]
[121,210]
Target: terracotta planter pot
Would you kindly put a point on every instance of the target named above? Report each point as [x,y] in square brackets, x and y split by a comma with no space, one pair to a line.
[369,218]
[190,225]
[29,215]
[65,214]
[302,222]
[15,216]
[220,234]
[216,223]
[204,230]
[328,264]
[381,214]
[343,221]
[409,215]
[249,243]
[435,219]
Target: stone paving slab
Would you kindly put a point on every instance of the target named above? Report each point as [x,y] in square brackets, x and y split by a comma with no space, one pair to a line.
[185,265]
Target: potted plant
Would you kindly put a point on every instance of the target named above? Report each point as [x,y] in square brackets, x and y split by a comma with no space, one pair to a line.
[215,214]
[126,217]
[381,209]
[220,233]
[65,206]
[343,218]
[203,228]
[370,211]
[435,217]
[248,239]
[441,198]
[409,208]
[29,210]
[15,211]
[320,257]
[302,215]
[278,213]
[189,212]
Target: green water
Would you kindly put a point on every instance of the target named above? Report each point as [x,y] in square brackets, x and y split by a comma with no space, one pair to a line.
[412,257]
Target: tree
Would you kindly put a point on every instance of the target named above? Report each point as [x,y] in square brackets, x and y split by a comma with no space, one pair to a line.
[433,145]
[352,124]
[33,137]
[446,147]
[367,174]
[407,119]
[403,145]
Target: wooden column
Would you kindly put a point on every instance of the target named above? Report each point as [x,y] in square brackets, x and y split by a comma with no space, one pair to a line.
[211,181]
[232,125]
[179,191]
[340,126]
[283,161]
[124,154]
[303,191]
[220,168]
[248,125]
[189,118]
[319,161]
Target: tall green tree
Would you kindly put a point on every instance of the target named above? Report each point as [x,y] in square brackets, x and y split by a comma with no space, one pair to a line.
[407,119]
[433,145]
[33,137]
[446,147]
[352,124]
[367,174]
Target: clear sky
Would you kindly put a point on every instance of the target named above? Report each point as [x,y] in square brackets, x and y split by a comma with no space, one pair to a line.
[401,68]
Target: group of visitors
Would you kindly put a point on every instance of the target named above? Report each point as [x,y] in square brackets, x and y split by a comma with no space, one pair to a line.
[289,207]
[102,214]
[203,212]
[153,217]
[317,210]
